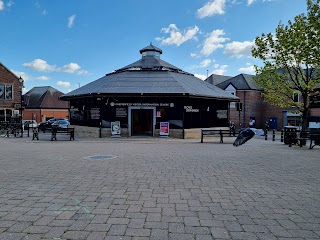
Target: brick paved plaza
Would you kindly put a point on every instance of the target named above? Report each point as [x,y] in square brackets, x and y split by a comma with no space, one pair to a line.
[158,189]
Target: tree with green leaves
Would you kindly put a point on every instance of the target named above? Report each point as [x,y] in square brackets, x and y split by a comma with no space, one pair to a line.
[291,62]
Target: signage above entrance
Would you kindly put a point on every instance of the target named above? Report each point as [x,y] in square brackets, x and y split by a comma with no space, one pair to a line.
[190,109]
[113,104]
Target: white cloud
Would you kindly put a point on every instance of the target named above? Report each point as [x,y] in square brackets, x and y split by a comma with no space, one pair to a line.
[70,68]
[219,69]
[248,69]
[40,66]
[239,49]
[205,63]
[1,5]
[202,77]
[24,76]
[42,78]
[63,84]
[213,42]
[193,55]
[82,72]
[71,21]
[211,8]
[250,2]
[178,37]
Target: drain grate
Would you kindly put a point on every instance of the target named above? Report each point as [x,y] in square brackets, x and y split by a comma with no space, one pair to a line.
[100,157]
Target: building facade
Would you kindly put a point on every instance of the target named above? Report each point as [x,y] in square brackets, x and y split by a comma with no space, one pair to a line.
[147,93]
[10,95]
[43,103]
[254,112]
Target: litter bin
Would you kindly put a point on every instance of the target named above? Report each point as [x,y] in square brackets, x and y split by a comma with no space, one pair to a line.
[289,133]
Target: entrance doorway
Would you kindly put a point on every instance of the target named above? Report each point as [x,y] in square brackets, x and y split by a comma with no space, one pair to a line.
[273,123]
[142,122]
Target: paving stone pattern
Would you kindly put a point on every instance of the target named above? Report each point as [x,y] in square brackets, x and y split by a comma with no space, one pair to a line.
[158,189]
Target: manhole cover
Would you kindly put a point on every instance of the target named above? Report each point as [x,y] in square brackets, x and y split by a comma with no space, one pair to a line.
[100,157]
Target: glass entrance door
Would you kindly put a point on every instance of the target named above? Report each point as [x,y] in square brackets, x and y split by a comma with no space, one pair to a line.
[142,122]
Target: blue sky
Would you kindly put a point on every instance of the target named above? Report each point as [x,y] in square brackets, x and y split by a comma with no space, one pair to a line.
[67,44]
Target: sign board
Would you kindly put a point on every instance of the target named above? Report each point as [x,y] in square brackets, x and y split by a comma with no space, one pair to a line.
[121,112]
[190,109]
[222,114]
[95,113]
[164,128]
[115,128]
[117,104]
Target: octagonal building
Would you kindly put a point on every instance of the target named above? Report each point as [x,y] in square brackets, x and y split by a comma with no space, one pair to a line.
[144,95]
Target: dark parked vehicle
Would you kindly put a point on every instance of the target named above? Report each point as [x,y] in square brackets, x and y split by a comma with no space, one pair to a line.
[60,124]
[48,124]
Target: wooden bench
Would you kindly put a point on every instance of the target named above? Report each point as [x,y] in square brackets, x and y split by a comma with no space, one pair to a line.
[300,138]
[220,132]
[68,131]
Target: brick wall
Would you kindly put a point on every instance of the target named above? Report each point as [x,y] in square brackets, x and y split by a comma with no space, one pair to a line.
[315,112]
[42,114]
[7,77]
[254,106]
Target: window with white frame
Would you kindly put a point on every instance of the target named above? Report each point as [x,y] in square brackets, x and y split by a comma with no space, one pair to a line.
[5,91]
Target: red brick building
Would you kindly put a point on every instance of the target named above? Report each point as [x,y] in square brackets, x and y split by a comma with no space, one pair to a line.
[43,103]
[252,105]
[10,94]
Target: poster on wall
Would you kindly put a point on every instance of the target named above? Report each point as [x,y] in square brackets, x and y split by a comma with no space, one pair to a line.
[115,129]
[164,129]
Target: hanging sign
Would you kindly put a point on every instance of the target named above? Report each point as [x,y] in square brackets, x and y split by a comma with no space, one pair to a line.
[164,128]
[115,128]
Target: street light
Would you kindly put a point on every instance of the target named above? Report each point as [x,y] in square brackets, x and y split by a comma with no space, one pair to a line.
[21,81]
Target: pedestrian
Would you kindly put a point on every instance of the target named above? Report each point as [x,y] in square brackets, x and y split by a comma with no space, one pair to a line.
[233,129]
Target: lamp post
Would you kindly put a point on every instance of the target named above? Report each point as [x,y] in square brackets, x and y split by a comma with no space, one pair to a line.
[21,108]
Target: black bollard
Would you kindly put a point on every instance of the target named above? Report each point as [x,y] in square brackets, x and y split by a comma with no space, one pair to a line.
[273,135]
[266,134]
[281,139]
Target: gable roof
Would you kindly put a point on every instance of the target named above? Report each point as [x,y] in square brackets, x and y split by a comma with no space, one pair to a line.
[8,70]
[215,79]
[240,82]
[44,97]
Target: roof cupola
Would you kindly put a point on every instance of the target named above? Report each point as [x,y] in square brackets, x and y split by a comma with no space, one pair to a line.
[151,51]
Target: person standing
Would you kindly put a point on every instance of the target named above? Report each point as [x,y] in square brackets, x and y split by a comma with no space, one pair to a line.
[233,129]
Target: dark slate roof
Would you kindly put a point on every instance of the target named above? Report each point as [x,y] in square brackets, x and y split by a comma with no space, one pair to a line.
[151,48]
[153,76]
[44,97]
[149,62]
[240,82]
[215,79]
[151,82]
